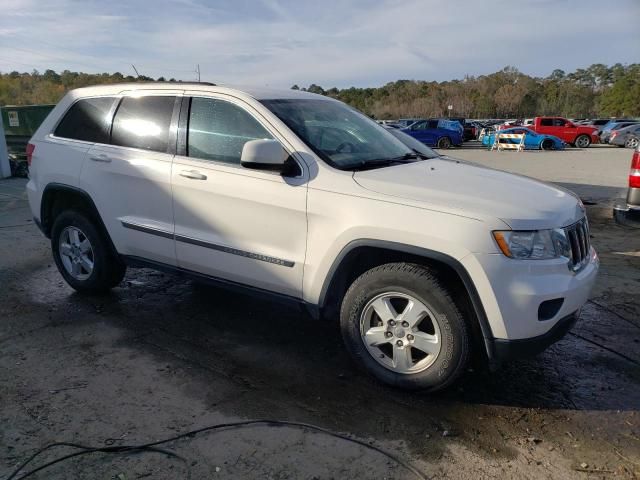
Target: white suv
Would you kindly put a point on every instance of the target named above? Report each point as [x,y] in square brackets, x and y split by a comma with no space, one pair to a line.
[423,258]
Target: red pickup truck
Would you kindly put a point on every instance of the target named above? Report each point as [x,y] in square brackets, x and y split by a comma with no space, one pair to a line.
[577,135]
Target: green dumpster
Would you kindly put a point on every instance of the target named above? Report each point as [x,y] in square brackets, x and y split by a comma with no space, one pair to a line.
[20,123]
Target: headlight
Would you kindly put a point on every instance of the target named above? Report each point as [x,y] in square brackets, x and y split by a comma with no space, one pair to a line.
[533,244]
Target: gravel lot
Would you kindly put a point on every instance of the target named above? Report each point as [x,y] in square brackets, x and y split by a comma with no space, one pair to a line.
[163,355]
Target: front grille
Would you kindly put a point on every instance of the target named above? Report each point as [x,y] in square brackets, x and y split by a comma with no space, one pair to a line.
[578,236]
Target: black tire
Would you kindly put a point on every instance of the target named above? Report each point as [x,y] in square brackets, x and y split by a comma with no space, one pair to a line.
[420,283]
[444,142]
[582,141]
[547,144]
[108,270]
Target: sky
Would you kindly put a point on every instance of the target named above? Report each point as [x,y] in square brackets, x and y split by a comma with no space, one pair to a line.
[342,43]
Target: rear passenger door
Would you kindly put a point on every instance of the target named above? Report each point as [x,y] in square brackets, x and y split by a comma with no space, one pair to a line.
[239,224]
[130,178]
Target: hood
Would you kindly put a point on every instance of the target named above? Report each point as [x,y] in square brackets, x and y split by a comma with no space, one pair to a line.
[588,130]
[470,190]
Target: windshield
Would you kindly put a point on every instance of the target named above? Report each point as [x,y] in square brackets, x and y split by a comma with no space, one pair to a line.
[340,135]
[412,143]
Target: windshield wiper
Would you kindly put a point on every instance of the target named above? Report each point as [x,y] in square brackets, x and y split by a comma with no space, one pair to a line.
[386,162]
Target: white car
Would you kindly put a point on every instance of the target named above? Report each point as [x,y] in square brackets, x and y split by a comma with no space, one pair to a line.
[421,258]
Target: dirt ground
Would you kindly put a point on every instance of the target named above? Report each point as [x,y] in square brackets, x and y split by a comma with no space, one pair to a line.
[162,355]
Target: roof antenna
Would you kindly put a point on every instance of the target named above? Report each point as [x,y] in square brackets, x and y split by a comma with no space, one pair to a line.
[136,70]
[198,71]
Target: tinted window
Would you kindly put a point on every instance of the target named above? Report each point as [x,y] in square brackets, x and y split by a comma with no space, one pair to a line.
[87,120]
[218,130]
[559,122]
[143,122]
[546,122]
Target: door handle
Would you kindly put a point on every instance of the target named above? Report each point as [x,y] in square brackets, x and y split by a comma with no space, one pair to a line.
[100,158]
[193,175]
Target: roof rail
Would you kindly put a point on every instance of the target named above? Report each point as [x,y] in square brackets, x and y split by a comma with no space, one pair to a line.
[187,83]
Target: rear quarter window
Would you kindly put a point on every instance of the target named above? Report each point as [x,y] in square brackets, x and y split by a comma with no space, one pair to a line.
[143,122]
[87,120]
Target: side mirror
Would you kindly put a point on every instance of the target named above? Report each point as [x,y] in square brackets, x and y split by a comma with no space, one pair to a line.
[264,155]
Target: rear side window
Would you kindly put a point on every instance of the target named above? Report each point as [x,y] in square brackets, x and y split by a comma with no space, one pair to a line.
[143,122]
[546,122]
[218,130]
[87,120]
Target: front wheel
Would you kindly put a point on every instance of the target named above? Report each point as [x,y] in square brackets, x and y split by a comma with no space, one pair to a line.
[583,141]
[444,142]
[402,326]
[82,254]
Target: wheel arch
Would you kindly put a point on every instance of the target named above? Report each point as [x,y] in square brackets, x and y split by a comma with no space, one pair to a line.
[361,255]
[442,137]
[58,197]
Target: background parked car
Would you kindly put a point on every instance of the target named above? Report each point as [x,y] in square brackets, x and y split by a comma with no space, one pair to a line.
[626,137]
[605,135]
[597,122]
[532,140]
[407,122]
[627,211]
[611,122]
[432,133]
[576,135]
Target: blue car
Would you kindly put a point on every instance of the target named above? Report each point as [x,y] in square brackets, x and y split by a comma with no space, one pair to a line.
[532,140]
[434,133]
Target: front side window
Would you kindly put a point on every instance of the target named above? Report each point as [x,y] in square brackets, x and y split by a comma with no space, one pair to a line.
[560,122]
[87,120]
[143,122]
[340,135]
[218,130]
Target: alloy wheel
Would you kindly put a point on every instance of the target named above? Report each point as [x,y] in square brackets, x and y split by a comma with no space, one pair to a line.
[400,332]
[76,253]
[583,142]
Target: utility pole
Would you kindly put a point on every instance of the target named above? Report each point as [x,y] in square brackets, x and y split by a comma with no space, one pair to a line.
[198,72]
[135,70]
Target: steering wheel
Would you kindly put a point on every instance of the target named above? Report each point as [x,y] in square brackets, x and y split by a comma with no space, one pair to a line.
[342,148]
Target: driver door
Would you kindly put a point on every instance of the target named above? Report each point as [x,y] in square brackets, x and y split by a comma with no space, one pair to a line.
[423,132]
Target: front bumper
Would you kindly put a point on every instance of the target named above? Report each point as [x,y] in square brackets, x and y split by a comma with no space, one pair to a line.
[505,350]
[516,293]
[627,215]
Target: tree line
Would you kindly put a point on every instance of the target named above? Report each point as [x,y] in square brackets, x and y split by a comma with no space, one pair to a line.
[597,91]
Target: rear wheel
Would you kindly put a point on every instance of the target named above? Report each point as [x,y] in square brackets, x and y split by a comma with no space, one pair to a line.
[402,326]
[583,141]
[83,255]
[631,142]
[444,142]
